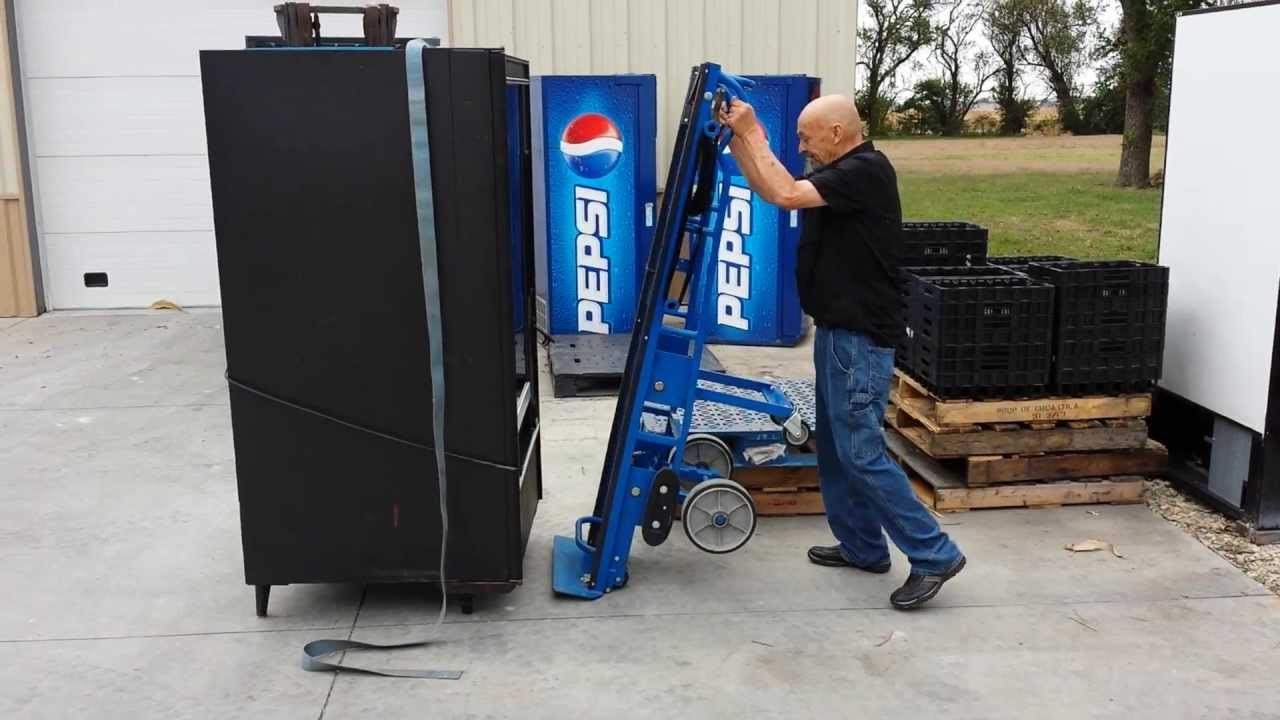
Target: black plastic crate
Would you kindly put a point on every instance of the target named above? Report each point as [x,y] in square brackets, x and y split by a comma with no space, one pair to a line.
[904,357]
[1110,324]
[1110,365]
[1020,262]
[981,336]
[942,243]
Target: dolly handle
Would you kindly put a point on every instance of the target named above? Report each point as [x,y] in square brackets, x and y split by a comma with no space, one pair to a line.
[577,533]
[735,86]
[728,88]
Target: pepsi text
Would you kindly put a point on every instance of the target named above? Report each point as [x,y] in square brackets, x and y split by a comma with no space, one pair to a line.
[591,218]
[733,266]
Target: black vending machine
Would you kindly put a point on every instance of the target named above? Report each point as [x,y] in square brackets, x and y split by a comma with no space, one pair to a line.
[325,319]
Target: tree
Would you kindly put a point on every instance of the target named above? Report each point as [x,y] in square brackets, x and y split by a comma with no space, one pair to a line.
[1102,111]
[954,53]
[898,29]
[1057,43]
[925,110]
[1004,33]
[875,111]
[1145,50]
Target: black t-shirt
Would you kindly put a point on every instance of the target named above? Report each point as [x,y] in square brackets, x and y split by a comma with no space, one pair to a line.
[847,267]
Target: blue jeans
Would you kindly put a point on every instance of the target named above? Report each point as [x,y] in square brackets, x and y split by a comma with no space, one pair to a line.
[865,492]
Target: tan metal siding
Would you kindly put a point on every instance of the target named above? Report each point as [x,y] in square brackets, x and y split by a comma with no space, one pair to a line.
[762,21]
[10,161]
[836,36]
[609,41]
[801,20]
[561,37]
[17,279]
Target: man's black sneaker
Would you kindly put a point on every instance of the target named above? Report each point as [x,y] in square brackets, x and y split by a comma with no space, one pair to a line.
[920,588]
[830,556]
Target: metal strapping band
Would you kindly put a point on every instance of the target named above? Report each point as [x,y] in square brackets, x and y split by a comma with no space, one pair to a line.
[314,652]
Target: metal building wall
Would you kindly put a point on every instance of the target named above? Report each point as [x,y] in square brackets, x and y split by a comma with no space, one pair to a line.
[667,37]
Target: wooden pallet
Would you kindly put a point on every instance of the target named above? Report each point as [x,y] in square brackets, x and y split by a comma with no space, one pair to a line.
[938,414]
[968,483]
[1021,438]
[782,490]
[775,503]
[944,490]
[982,470]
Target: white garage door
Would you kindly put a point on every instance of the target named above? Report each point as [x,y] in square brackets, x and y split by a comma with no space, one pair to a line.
[116,131]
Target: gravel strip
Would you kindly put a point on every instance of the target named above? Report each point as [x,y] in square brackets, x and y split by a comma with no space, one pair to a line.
[1260,562]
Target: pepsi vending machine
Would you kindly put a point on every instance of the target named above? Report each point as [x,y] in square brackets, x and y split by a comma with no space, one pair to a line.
[594,195]
[756,299]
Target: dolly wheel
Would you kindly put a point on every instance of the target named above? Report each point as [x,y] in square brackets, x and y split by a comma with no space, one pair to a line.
[708,452]
[719,516]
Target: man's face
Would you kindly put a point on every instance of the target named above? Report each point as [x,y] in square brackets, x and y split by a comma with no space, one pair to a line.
[817,140]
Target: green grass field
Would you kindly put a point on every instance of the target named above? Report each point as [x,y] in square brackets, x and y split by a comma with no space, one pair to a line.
[1075,214]
[1039,196]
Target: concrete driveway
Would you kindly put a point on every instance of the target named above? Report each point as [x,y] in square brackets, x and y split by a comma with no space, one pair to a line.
[123,591]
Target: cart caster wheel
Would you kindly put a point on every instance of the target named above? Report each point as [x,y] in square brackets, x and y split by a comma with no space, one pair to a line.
[467,603]
[262,593]
[798,438]
[719,516]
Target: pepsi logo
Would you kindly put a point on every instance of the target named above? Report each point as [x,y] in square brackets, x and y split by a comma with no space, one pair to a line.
[591,145]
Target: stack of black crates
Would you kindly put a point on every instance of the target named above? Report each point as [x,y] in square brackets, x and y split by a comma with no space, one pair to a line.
[941,249]
[985,333]
[1018,326]
[1110,321]
[972,329]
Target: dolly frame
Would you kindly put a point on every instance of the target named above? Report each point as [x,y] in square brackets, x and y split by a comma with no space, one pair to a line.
[663,374]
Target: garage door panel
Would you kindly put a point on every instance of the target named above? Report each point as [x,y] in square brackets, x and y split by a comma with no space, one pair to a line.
[124,194]
[145,37]
[140,269]
[64,38]
[116,116]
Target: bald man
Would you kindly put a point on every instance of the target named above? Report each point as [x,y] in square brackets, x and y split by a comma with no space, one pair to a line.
[847,274]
